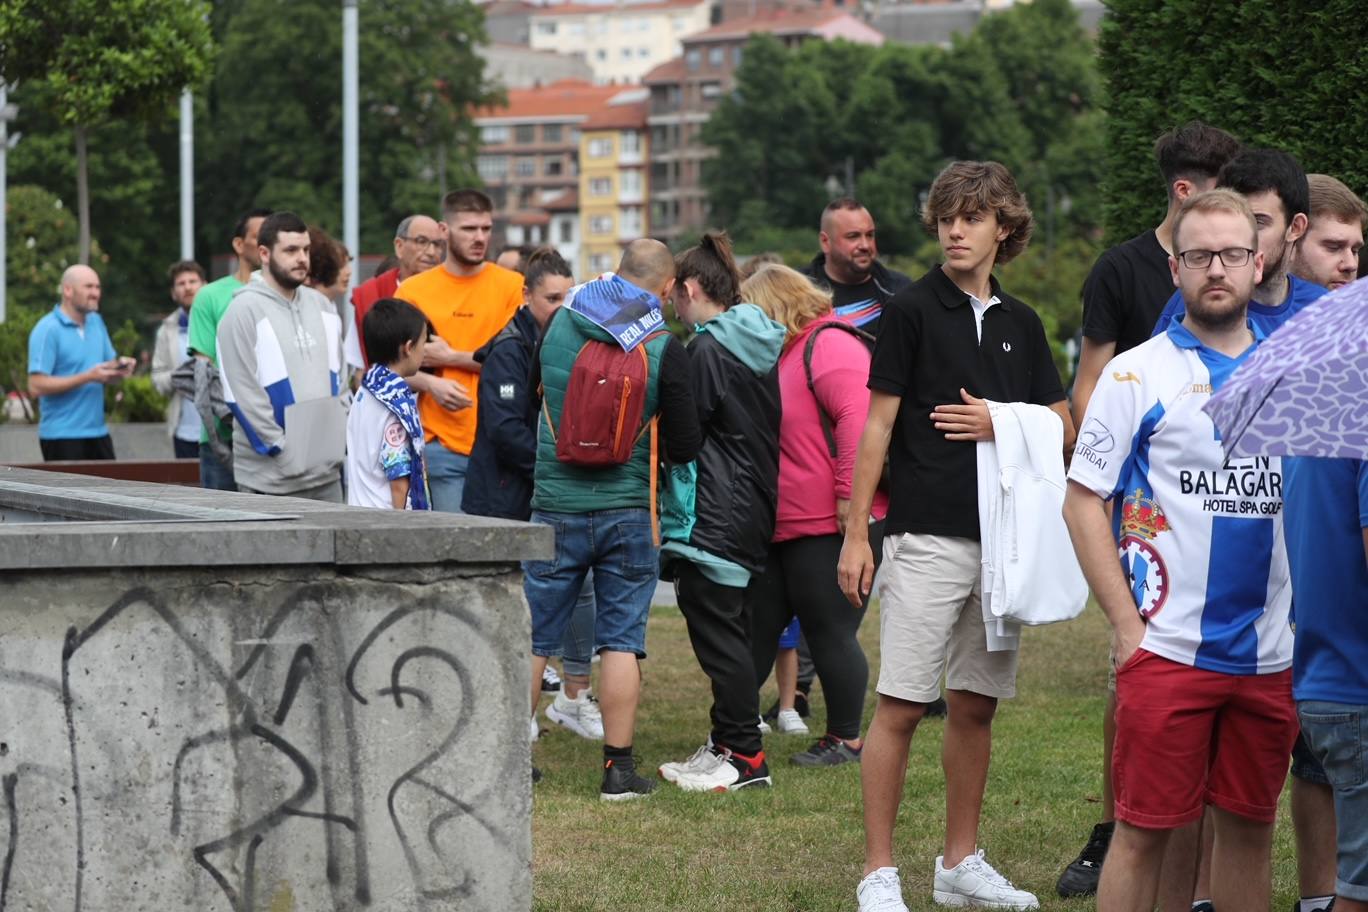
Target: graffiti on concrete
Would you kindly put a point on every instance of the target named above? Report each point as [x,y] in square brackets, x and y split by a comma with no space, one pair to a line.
[252,756]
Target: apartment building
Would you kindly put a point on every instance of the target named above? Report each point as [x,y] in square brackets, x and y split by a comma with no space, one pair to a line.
[685,90]
[614,181]
[619,41]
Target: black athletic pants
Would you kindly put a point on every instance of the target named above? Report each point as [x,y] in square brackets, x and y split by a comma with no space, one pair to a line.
[76,448]
[800,578]
[718,618]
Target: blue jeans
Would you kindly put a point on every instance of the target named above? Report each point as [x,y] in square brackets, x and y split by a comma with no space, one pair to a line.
[577,649]
[616,545]
[214,475]
[446,472]
[1335,733]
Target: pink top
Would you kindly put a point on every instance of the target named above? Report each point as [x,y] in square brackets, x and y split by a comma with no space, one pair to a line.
[810,481]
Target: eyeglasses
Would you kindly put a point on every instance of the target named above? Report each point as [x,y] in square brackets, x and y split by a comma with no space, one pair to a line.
[422,241]
[1231,257]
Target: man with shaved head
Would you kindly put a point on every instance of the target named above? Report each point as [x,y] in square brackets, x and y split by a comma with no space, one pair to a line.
[603,514]
[70,361]
[849,268]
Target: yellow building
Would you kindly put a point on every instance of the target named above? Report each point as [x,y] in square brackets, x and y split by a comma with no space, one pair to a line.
[614,167]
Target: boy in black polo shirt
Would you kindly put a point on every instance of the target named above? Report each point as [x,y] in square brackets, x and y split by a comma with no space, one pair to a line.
[950,341]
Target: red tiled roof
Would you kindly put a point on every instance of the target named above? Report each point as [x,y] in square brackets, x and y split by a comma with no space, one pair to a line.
[566,202]
[529,217]
[669,71]
[582,9]
[568,97]
[618,116]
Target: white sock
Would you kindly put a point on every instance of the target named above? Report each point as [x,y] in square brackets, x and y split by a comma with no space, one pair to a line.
[1315,903]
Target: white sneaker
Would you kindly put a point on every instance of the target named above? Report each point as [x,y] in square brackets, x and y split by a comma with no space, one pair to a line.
[724,772]
[881,891]
[581,715]
[533,730]
[764,726]
[974,882]
[700,758]
[790,723]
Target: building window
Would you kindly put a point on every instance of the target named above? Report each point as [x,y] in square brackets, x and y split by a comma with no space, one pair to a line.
[711,89]
[554,167]
[492,167]
[626,53]
[643,52]
[600,262]
[600,186]
[629,182]
[525,134]
[600,55]
[716,57]
[736,55]
[679,24]
[576,29]
[693,59]
[526,166]
[600,148]
[567,231]
[629,142]
[494,136]
[551,133]
[629,222]
[546,28]
[600,224]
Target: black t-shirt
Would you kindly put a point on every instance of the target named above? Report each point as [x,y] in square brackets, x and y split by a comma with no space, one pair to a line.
[1126,291]
[927,350]
[860,304]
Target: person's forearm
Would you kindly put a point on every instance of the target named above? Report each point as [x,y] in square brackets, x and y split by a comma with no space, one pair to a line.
[399,490]
[1086,516]
[462,360]
[49,385]
[869,462]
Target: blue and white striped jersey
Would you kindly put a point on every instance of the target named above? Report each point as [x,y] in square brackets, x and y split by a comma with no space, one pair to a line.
[1200,537]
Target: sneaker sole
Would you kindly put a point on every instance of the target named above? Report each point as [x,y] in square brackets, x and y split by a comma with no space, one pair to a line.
[571,722]
[960,901]
[624,796]
[758,782]
[669,772]
[795,731]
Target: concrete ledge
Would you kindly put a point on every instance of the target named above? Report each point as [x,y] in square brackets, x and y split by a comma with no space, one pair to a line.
[96,522]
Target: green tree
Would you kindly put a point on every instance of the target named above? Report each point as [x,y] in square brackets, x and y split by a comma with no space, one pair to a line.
[273,133]
[1286,74]
[41,244]
[98,61]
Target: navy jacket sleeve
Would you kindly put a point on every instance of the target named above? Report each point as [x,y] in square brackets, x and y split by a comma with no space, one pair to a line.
[506,395]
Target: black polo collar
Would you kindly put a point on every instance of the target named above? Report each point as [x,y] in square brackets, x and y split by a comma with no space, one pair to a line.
[951,295]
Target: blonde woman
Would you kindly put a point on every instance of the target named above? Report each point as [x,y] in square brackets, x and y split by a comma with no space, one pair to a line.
[825,402]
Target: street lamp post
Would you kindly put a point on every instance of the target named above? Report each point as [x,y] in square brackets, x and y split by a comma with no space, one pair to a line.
[7,113]
[351,231]
[187,175]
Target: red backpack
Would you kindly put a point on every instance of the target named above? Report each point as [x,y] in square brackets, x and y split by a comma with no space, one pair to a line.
[601,415]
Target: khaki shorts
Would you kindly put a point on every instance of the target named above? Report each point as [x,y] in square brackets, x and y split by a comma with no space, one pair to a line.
[931,621]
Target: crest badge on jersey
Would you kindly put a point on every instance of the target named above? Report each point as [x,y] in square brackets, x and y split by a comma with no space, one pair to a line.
[1141,523]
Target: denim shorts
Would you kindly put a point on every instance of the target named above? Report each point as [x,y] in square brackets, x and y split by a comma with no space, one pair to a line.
[1305,766]
[1335,732]
[617,546]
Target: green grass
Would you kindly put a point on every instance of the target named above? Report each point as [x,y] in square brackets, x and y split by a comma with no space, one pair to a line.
[799,846]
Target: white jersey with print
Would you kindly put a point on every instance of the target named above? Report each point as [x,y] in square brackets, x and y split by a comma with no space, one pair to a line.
[377,452]
[1200,537]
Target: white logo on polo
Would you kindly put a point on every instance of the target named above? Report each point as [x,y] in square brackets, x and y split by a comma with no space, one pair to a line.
[507,390]
[1006,346]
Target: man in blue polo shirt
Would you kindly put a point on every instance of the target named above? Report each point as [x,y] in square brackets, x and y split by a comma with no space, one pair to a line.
[70,361]
[1275,186]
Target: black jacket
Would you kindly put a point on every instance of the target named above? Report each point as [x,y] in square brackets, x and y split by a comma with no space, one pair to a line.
[737,488]
[883,285]
[499,477]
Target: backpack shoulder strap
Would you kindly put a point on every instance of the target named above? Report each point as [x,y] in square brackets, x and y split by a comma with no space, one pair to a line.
[828,430]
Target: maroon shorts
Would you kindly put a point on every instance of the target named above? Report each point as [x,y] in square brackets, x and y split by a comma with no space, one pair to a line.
[1186,738]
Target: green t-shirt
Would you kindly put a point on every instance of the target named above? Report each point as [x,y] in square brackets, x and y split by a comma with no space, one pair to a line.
[211,302]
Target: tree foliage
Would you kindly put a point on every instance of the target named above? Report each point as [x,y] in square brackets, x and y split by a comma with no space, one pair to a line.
[273,135]
[1287,74]
[98,61]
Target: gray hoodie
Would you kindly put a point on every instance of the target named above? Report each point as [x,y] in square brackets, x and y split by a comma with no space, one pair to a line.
[274,353]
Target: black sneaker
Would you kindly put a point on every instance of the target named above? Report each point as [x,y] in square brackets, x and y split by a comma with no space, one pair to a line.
[1296,906]
[551,682]
[621,782]
[828,751]
[1205,905]
[937,709]
[1081,876]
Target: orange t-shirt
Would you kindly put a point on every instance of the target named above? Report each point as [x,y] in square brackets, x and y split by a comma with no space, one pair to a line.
[466,311]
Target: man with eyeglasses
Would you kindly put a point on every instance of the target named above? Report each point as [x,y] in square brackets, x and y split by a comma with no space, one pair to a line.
[1199,600]
[418,245]
[1275,186]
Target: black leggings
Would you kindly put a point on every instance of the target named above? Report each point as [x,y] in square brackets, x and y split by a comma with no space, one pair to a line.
[800,578]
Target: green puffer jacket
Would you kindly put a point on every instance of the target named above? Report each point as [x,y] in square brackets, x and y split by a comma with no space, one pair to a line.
[561,488]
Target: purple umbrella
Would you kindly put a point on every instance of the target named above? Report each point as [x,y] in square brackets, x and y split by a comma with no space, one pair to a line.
[1304,392]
